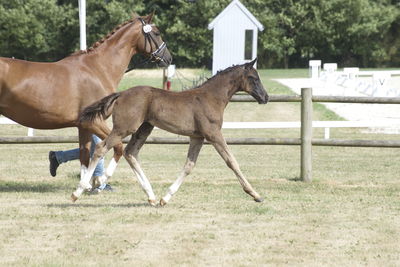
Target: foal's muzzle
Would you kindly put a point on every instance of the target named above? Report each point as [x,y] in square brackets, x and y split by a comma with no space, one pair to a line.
[262,98]
[264,101]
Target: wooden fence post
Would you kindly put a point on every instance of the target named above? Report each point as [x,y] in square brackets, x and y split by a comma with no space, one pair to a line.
[164,79]
[306,134]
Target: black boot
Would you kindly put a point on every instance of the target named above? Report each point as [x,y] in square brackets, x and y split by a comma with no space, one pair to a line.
[53,163]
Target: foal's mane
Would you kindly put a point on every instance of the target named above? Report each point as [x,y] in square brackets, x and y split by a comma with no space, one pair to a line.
[219,73]
[102,40]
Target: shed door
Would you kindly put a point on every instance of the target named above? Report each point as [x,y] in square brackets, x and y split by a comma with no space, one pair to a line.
[248,44]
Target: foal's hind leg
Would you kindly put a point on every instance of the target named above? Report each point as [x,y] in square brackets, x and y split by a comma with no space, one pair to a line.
[112,165]
[131,155]
[100,128]
[101,149]
[194,149]
[218,141]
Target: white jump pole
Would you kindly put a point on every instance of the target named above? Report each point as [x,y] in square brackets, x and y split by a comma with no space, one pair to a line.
[315,68]
[82,24]
[82,35]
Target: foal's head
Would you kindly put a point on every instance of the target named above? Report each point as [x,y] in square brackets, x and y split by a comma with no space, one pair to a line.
[251,83]
[150,43]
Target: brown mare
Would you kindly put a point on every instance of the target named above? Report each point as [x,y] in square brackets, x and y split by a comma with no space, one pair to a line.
[51,95]
[197,113]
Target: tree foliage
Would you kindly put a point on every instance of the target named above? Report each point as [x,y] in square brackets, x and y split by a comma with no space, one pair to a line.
[357,32]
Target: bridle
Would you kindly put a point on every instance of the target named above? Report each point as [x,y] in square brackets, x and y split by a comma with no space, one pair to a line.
[158,54]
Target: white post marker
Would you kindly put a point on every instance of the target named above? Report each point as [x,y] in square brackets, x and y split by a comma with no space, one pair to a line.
[82,24]
[380,80]
[351,73]
[330,70]
[315,67]
[171,71]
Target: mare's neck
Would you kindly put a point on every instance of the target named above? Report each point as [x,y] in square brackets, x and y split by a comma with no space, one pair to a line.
[112,57]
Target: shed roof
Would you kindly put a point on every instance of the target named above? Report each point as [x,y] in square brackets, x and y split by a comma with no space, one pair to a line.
[238,4]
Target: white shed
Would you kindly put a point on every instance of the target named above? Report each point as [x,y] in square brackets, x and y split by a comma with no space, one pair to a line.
[235,36]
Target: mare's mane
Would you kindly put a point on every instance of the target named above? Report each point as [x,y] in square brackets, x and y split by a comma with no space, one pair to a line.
[102,40]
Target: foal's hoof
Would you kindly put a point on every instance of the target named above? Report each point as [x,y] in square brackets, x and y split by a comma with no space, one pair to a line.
[152,202]
[85,187]
[163,202]
[73,197]
[259,199]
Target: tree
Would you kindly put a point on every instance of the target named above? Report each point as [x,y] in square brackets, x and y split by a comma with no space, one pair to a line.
[358,32]
[338,30]
[31,29]
[48,30]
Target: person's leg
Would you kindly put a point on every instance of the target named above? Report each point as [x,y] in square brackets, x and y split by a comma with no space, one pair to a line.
[67,155]
[99,171]
[99,177]
[58,157]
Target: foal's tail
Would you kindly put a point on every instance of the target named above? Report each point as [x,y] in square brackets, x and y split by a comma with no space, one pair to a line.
[101,108]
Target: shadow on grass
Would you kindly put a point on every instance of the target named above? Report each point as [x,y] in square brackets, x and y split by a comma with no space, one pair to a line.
[295,179]
[86,205]
[28,187]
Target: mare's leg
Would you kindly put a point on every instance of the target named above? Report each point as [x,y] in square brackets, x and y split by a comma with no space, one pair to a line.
[218,141]
[131,155]
[101,149]
[194,149]
[85,140]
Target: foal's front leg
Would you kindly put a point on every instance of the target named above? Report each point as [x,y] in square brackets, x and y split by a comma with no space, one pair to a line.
[131,155]
[194,149]
[218,141]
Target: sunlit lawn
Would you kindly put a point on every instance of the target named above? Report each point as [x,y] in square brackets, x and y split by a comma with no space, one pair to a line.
[349,215]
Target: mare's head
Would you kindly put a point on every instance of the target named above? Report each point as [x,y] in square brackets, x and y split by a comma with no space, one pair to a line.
[251,83]
[151,44]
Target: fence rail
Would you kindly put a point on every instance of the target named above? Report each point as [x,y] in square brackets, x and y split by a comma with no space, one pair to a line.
[231,141]
[305,141]
[316,98]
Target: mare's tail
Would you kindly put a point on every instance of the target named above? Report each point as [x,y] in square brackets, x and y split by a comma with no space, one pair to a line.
[101,108]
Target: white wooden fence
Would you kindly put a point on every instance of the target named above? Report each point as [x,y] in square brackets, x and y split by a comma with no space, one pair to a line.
[4,120]
[327,125]
[306,140]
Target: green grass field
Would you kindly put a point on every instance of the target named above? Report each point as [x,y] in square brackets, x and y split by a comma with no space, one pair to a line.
[348,216]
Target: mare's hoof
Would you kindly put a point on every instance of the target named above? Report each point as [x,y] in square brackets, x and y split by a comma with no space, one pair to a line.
[152,202]
[163,202]
[73,197]
[260,199]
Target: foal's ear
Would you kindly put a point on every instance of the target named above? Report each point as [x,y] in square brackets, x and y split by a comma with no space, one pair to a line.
[149,18]
[250,64]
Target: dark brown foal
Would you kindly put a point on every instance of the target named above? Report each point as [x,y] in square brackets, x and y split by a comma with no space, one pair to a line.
[197,113]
